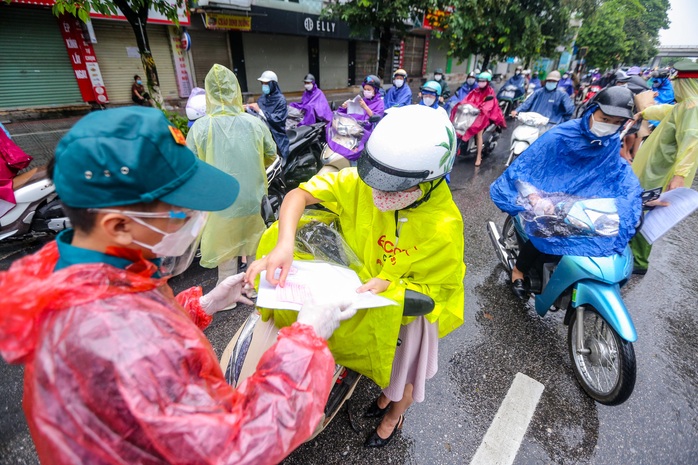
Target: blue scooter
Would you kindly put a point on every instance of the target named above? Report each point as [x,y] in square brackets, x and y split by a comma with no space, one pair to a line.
[600,330]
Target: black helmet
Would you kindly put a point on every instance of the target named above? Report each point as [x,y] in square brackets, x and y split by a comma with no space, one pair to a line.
[309,78]
[616,101]
[372,81]
[661,73]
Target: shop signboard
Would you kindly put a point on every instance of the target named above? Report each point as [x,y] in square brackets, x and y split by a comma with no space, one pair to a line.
[83,60]
[181,64]
[223,22]
[437,19]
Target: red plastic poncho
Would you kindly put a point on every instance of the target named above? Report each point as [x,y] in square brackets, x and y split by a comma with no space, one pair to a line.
[489,111]
[116,373]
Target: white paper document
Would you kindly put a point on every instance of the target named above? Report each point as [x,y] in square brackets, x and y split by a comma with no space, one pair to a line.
[682,202]
[319,280]
[354,107]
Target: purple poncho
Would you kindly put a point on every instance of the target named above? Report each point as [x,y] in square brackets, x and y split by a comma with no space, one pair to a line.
[375,104]
[314,104]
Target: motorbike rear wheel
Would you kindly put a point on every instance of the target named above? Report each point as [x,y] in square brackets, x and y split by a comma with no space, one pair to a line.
[607,373]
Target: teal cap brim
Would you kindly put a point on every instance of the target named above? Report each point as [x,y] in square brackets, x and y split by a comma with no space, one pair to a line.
[209,189]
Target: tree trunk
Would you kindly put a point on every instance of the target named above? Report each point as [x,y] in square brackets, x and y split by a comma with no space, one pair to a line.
[486,61]
[384,52]
[138,21]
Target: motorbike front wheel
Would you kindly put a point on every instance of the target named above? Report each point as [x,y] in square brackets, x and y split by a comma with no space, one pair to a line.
[607,372]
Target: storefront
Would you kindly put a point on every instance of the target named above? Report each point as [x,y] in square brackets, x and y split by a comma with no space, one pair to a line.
[35,69]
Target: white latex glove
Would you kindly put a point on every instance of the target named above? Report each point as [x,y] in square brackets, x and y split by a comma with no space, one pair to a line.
[324,315]
[230,291]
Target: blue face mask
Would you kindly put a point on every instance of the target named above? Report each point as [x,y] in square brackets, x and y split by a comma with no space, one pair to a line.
[266,89]
[139,82]
[551,85]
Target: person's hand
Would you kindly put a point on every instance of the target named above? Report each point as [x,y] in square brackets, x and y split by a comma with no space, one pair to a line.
[513,113]
[676,182]
[542,206]
[255,107]
[657,203]
[345,104]
[637,116]
[324,315]
[363,105]
[227,293]
[441,100]
[374,285]
[280,257]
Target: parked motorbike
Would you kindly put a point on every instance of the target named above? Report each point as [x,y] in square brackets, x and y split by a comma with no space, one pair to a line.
[587,95]
[508,98]
[600,332]
[38,210]
[276,190]
[464,118]
[241,356]
[534,124]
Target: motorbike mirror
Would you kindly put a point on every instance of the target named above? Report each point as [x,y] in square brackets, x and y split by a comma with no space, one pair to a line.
[488,98]
[374,119]
[417,304]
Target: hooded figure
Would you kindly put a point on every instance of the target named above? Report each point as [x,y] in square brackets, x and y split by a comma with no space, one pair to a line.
[535,80]
[400,95]
[445,91]
[665,92]
[273,105]
[313,103]
[469,84]
[669,156]
[241,145]
[489,110]
[519,81]
[566,84]
[571,160]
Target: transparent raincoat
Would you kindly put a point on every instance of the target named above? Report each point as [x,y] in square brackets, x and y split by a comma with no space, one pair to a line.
[241,145]
[427,258]
[116,372]
[672,149]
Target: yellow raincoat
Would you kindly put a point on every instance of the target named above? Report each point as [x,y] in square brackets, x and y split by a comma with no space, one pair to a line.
[672,149]
[241,145]
[428,258]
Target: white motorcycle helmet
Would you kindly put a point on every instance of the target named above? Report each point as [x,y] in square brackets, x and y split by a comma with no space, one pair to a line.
[410,145]
[268,76]
[196,106]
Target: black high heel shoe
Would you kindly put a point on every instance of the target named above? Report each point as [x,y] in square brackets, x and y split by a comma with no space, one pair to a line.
[374,411]
[376,441]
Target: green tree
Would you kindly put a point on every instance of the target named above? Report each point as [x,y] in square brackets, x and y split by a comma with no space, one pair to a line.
[385,17]
[643,31]
[136,12]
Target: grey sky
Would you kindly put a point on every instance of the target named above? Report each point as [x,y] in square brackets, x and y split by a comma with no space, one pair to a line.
[683,29]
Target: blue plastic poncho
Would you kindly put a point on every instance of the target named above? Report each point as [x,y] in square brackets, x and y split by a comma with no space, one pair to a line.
[569,159]
[275,111]
[314,104]
[566,85]
[553,104]
[398,97]
[519,81]
[536,82]
[664,89]
[460,94]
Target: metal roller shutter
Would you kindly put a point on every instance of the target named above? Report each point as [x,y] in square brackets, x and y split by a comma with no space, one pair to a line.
[35,69]
[118,69]
[287,56]
[207,49]
[334,63]
[414,55]
[366,58]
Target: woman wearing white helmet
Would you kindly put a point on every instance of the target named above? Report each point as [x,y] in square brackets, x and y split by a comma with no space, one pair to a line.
[398,216]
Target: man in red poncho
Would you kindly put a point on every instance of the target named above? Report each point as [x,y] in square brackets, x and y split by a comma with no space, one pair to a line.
[484,99]
[116,369]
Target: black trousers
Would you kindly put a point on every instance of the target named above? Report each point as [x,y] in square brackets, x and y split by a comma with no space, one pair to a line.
[528,255]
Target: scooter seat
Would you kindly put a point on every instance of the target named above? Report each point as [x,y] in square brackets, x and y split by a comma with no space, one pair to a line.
[298,133]
[29,176]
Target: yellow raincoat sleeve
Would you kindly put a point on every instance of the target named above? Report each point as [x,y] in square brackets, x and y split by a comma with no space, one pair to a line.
[657,112]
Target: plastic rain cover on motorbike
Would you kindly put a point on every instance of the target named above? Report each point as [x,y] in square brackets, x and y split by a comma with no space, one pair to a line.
[116,372]
[532,118]
[346,136]
[572,161]
[295,116]
[427,259]
[672,149]
[238,144]
[560,215]
[464,117]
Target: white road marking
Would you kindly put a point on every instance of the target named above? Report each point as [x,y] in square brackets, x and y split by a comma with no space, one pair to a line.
[504,436]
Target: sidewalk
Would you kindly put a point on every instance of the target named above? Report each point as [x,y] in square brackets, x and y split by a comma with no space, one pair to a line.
[39,138]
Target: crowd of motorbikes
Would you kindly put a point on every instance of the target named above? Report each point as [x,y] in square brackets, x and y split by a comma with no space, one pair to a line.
[586,289]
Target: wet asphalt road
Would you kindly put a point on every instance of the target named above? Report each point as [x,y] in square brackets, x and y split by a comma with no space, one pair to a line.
[478,362]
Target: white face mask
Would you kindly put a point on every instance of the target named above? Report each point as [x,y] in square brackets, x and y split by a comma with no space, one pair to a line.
[398,82]
[368,94]
[601,129]
[391,201]
[308,87]
[429,100]
[470,81]
[437,77]
[482,85]
[174,244]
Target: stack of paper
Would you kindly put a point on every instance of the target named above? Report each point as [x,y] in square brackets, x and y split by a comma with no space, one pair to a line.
[682,202]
